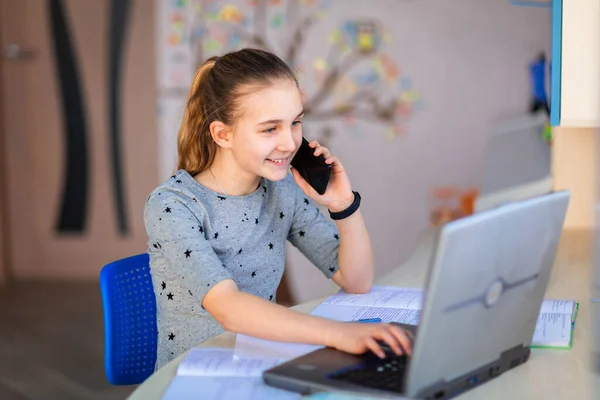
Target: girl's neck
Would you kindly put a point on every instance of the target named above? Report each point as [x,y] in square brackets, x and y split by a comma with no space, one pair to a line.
[226,177]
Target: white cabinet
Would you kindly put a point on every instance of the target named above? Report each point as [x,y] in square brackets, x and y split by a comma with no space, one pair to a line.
[575,63]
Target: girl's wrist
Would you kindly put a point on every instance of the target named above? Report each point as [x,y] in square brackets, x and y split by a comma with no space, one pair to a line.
[342,204]
[330,333]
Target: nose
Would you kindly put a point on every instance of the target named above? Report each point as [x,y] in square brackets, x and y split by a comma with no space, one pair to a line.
[286,144]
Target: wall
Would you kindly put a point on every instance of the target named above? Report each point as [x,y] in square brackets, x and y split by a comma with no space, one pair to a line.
[468,61]
[463,65]
[574,163]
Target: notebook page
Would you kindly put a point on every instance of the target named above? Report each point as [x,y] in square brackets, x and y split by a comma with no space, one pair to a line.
[222,388]
[349,313]
[381,296]
[553,330]
[558,306]
[249,346]
[222,362]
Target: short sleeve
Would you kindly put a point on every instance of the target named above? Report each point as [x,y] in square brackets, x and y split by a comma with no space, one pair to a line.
[313,233]
[176,232]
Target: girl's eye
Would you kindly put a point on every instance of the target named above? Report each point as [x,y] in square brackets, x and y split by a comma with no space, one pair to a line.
[270,130]
[295,123]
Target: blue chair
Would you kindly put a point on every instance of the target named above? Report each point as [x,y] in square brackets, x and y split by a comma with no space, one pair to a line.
[130,333]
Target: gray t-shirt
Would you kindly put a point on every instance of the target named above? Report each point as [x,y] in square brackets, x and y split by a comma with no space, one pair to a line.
[198,238]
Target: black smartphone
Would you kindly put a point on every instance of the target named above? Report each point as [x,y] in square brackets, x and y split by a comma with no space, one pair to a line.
[312,168]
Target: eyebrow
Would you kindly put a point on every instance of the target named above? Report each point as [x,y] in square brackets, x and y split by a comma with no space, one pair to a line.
[278,121]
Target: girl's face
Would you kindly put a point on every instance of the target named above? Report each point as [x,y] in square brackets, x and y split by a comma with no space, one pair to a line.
[269,130]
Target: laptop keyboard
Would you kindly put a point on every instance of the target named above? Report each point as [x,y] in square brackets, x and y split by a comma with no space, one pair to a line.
[387,374]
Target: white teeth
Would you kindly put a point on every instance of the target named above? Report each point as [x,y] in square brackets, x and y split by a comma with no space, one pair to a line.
[277,161]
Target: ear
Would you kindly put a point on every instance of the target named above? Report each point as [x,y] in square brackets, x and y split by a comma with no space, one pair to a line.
[221,134]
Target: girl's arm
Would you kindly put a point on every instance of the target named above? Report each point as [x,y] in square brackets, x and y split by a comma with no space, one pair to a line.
[251,315]
[355,254]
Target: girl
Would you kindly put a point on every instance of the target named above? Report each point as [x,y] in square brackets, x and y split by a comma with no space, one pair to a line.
[218,228]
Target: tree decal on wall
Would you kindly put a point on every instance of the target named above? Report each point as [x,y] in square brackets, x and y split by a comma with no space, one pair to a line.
[355,81]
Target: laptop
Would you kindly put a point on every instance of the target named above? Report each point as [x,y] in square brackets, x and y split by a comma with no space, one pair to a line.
[484,290]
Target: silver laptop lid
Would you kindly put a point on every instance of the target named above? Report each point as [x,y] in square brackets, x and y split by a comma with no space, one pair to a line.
[485,288]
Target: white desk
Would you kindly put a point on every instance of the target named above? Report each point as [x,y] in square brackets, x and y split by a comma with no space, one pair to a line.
[549,374]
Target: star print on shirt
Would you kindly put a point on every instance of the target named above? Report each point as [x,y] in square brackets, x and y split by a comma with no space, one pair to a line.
[157,245]
[332,269]
[163,285]
[178,181]
[221,197]
[190,292]
[187,253]
[265,189]
[216,235]
[170,296]
[281,215]
[171,336]
[270,246]
[256,221]
[240,251]
[172,176]
[301,233]
[195,200]
[305,201]
[168,209]
[253,274]
[336,236]
[271,297]
[200,229]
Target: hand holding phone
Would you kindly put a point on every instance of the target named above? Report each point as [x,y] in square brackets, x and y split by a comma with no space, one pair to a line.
[312,168]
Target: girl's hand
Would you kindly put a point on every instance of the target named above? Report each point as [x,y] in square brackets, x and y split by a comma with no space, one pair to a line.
[357,338]
[338,195]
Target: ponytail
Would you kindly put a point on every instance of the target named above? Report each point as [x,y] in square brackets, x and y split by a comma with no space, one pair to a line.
[195,147]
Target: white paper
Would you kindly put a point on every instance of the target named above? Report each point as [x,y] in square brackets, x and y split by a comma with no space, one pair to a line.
[248,346]
[558,306]
[350,313]
[552,329]
[223,362]
[379,296]
[224,388]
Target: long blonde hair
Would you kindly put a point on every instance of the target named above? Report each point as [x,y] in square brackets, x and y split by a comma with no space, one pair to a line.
[214,96]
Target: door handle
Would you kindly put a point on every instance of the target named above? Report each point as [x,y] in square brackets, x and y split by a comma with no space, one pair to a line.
[14,52]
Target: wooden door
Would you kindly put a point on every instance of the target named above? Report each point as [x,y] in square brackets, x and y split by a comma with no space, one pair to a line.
[79,154]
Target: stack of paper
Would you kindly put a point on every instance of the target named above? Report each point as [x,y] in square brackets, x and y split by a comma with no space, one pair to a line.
[211,374]
[555,324]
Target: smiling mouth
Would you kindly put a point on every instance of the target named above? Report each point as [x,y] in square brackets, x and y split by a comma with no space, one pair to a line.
[280,161]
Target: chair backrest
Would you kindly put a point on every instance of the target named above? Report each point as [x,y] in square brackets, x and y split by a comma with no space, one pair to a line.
[130,333]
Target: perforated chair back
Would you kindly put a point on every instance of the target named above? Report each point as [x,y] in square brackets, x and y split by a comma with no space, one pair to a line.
[130,333]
